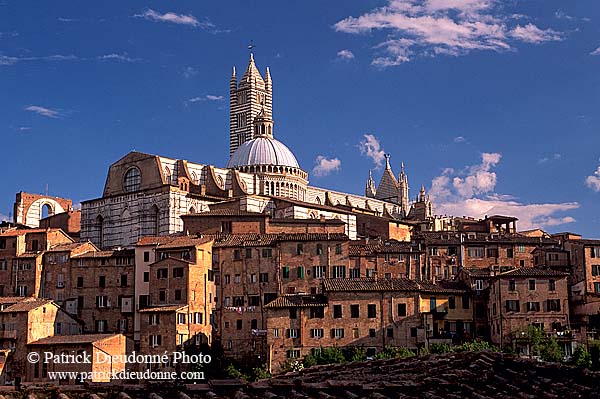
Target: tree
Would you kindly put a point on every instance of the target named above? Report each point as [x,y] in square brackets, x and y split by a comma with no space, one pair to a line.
[550,351]
[581,357]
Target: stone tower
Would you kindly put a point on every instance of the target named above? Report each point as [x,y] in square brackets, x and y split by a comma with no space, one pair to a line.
[247,99]
[403,190]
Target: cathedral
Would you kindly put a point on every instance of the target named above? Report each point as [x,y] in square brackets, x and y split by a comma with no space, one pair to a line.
[146,195]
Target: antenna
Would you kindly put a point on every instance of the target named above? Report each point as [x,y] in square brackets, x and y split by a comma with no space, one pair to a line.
[46,188]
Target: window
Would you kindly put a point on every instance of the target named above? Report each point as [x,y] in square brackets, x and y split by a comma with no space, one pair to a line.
[198,318]
[338,249]
[102,281]
[293,353]
[597,288]
[551,285]
[276,333]
[162,295]
[432,304]
[299,249]
[339,272]
[237,254]
[466,301]
[492,252]
[123,280]
[227,279]
[181,318]
[390,333]
[372,311]
[178,295]
[372,332]
[300,271]
[413,331]
[102,301]
[316,313]
[479,285]
[595,252]
[132,179]
[253,278]
[316,333]
[101,326]
[355,333]
[533,306]
[146,256]
[162,273]
[512,285]
[254,324]
[226,228]
[475,252]
[433,251]
[512,305]
[451,251]
[146,277]
[144,300]
[79,282]
[337,333]
[285,272]
[354,311]
[3,264]
[401,309]
[267,253]
[531,285]
[238,324]
[337,311]
[2,243]
[177,272]
[238,301]
[452,302]
[553,305]
[520,248]
[155,340]
[319,271]
[319,249]
[595,270]
[509,252]
[355,273]
[248,253]
[292,332]
[237,279]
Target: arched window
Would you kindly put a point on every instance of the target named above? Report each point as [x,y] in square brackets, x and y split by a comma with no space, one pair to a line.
[46,211]
[192,210]
[132,180]
[155,221]
[167,175]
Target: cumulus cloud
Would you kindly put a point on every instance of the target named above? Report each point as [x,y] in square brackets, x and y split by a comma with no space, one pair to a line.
[325,166]
[471,192]
[595,52]
[49,112]
[180,19]
[442,27]
[346,55]
[207,97]
[371,148]
[593,181]
[459,139]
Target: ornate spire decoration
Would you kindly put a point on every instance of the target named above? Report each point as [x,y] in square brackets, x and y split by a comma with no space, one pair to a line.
[370,190]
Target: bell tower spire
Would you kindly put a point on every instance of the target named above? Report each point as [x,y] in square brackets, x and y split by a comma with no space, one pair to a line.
[247,99]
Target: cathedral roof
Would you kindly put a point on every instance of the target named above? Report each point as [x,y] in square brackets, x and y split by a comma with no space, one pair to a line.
[252,72]
[263,150]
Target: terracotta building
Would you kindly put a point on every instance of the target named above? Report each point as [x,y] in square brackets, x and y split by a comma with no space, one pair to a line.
[526,297]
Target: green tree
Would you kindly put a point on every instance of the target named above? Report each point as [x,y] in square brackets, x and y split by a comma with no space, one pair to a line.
[550,351]
[581,357]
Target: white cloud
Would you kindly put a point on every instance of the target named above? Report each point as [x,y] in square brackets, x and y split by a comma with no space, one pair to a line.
[595,52]
[459,139]
[562,15]
[553,157]
[4,217]
[325,166]
[442,27]
[371,147]
[180,19]
[9,60]
[189,72]
[50,113]
[593,181]
[117,57]
[207,97]
[24,128]
[532,34]
[346,55]
[470,192]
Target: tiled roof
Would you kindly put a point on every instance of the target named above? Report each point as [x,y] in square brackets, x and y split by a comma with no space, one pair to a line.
[20,232]
[297,301]
[166,308]
[257,240]
[14,299]
[185,241]
[389,246]
[477,271]
[26,306]
[155,240]
[307,221]
[73,339]
[391,284]
[106,254]
[532,272]
[66,247]
[312,206]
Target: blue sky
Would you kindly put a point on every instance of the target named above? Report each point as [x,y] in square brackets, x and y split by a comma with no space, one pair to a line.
[492,105]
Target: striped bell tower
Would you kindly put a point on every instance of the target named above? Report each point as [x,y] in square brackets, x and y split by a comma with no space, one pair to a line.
[247,99]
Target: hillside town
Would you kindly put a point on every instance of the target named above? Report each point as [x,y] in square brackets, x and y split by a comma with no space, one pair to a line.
[252,263]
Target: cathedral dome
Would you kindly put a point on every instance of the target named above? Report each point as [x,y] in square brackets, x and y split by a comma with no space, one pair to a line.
[262,150]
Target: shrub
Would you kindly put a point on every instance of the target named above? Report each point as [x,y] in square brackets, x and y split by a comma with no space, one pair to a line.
[356,354]
[330,355]
[260,373]
[439,348]
[476,346]
[233,372]
[581,357]
[391,352]
[550,351]
[309,361]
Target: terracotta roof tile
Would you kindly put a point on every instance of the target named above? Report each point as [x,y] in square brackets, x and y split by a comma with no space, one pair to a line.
[106,254]
[391,284]
[226,212]
[26,306]
[73,339]
[532,272]
[165,308]
[297,301]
